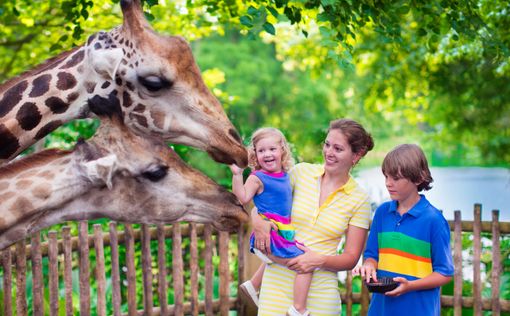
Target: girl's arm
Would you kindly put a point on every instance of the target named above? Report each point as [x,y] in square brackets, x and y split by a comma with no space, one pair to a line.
[310,260]
[244,192]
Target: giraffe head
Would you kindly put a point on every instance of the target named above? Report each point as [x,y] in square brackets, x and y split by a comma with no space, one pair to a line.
[159,85]
[117,175]
[142,180]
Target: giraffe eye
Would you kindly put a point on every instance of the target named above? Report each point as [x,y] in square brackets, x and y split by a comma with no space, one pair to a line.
[156,173]
[154,83]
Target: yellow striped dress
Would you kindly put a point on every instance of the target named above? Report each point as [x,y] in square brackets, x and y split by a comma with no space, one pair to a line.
[321,230]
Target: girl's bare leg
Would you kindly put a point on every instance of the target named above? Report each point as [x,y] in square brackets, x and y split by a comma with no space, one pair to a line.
[256,279]
[301,287]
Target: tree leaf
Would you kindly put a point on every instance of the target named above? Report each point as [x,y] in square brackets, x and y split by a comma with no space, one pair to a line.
[268,27]
[246,21]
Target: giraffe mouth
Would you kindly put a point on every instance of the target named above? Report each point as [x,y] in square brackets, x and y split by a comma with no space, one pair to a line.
[220,156]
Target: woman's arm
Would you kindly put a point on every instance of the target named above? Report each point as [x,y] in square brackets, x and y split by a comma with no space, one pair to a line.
[310,260]
[261,231]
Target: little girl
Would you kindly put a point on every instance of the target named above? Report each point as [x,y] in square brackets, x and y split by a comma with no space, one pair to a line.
[269,187]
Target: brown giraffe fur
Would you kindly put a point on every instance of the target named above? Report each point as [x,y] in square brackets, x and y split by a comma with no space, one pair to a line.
[117,175]
[153,77]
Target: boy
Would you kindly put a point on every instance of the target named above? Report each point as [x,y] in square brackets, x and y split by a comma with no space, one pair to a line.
[409,240]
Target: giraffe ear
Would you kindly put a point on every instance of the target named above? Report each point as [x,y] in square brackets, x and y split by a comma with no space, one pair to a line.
[106,61]
[101,170]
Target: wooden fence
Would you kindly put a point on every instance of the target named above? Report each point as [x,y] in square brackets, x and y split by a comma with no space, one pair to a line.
[186,240]
[59,253]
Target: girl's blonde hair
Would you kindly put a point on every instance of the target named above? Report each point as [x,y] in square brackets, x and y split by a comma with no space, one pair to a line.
[287,160]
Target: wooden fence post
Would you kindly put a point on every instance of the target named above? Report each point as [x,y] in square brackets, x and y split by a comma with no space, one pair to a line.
[84,269]
[7,267]
[209,308]
[224,273]
[457,262]
[177,270]
[21,282]
[194,268]
[147,270]
[53,271]
[114,250]
[100,273]
[496,264]
[37,278]
[131,271]
[162,273]
[68,269]
[477,254]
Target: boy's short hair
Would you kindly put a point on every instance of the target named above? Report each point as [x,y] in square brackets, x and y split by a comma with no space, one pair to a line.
[408,161]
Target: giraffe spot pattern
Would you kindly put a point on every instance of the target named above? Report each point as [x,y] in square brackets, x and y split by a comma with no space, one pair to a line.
[8,143]
[41,191]
[7,195]
[21,205]
[65,81]
[140,119]
[23,184]
[130,85]
[158,118]
[75,60]
[48,128]
[126,99]
[140,108]
[4,185]
[12,97]
[91,38]
[97,46]
[118,80]
[90,86]
[105,84]
[46,174]
[72,97]
[28,116]
[40,86]
[57,105]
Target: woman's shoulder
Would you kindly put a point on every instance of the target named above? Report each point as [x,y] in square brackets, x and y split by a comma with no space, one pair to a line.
[306,167]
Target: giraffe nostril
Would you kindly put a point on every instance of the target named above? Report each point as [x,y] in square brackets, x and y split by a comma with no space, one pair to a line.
[235,134]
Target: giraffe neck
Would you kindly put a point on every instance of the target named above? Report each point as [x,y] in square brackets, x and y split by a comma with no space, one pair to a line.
[38,183]
[58,91]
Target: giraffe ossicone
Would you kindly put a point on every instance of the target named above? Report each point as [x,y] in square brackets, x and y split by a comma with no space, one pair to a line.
[154,77]
[116,175]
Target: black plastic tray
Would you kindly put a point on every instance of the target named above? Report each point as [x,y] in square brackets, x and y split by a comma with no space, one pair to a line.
[383,284]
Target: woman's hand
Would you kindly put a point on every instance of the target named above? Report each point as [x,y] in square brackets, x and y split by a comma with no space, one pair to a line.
[261,231]
[307,262]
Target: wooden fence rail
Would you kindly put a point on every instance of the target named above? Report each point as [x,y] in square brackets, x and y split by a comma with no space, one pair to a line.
[60,264]
[138,262]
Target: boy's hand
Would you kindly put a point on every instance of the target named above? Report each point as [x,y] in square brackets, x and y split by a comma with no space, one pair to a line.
[236,170]
[404,287]
[367,271]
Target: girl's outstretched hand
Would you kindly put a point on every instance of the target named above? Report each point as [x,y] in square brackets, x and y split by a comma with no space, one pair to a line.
[236,170]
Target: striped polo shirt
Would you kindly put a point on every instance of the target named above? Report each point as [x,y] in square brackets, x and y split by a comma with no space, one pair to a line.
[411,246]
[321,229]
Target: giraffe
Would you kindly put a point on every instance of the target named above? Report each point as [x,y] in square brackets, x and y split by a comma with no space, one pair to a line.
[153,77]
[118,175]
